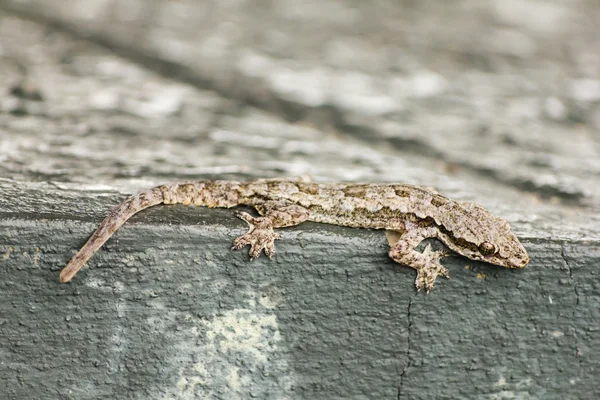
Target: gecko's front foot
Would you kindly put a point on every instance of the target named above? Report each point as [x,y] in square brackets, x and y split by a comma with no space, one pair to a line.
[427,263]
[261,235]
[427,274]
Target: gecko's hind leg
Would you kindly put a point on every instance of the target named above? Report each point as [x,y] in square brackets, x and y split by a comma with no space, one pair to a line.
[261,235]
[427,263]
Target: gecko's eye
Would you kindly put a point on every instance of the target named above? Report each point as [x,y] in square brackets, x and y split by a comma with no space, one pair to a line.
[487,248]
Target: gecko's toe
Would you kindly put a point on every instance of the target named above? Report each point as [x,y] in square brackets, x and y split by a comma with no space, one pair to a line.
[424,280]
[258,248]
[243,241]
[255,251]
[423,283]
[443,271]
[270,250]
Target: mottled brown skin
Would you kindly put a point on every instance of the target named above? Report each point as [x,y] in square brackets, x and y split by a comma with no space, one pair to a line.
[412,213]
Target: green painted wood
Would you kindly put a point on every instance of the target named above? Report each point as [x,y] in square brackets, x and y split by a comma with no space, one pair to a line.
[166,310]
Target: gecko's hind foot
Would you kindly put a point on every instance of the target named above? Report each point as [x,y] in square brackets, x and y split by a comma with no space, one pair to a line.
[261,236]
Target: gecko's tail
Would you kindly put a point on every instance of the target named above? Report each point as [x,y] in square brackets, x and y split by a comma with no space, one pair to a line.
[117,217]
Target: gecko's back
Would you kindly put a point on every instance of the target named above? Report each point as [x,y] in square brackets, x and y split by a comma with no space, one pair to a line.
[377,206]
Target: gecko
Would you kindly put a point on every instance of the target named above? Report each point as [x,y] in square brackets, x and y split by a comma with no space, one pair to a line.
[410,214]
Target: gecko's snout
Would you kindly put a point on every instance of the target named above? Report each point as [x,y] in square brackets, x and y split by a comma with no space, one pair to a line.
[520,259]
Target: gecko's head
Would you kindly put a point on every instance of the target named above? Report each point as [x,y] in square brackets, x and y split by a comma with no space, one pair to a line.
[489,239]
[505,251]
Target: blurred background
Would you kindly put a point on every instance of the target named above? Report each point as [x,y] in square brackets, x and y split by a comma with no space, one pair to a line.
[496,102]
[467,96]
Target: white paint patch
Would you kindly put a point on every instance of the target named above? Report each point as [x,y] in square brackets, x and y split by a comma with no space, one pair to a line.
[501,380]
[519,394]
[95,283]
[233,380]
[244,331]
[231,354]
[267,302]
[510,395]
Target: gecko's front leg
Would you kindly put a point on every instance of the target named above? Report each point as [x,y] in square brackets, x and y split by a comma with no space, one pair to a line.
[261,235]
[427,263]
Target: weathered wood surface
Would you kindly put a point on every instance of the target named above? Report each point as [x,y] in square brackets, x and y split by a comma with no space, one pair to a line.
[504,111]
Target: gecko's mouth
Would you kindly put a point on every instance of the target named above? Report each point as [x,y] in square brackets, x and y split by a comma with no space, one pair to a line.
[517,261]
